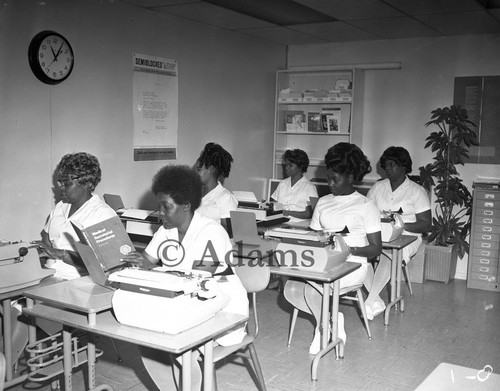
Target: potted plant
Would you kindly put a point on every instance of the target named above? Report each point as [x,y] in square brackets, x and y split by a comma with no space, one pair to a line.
[451,218]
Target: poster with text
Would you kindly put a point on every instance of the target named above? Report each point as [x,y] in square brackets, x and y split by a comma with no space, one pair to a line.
[155,89]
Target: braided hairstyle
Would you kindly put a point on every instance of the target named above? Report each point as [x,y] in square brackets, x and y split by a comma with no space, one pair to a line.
[213,155]
[348,159]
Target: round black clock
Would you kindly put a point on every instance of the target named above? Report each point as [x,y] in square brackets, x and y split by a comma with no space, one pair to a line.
[51,57]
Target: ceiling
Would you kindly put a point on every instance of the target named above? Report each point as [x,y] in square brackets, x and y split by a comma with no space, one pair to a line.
[304,22]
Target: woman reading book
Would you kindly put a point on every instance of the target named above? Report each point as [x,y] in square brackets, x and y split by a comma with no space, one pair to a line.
[78,174]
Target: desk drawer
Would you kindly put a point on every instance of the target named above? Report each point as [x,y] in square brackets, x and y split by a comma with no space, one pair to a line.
[485,277]
[480,269]
[484,285]
[486,237]
[484,252]
[487,212]
[485,245]
[487,195]
[484,261]
[494,229]
[487,220]
[487,204]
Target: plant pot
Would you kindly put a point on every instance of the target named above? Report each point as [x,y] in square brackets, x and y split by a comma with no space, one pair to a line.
[440,263]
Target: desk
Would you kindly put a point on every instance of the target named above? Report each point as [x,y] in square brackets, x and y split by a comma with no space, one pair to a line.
[396,247]
[324,278]
[91,312]
[6,299]
[450,377]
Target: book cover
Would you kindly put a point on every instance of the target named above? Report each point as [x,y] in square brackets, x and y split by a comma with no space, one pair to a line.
[330,120]
[314,122]
[294,121]
[108,239]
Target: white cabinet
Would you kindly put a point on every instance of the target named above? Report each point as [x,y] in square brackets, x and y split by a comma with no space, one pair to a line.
[316,109]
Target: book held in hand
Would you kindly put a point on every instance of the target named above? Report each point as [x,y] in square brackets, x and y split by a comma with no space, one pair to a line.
[108,239]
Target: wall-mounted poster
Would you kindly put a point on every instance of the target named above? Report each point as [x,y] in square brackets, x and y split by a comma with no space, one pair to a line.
[155,89]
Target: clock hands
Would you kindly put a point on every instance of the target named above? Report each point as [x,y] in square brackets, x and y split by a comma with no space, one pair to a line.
[54,54]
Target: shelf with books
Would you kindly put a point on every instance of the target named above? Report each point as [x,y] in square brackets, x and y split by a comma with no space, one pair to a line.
[312,104]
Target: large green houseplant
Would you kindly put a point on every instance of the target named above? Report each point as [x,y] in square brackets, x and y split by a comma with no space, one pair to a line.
[450,140]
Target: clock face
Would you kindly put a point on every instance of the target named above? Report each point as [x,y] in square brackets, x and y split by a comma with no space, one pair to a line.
[51,57]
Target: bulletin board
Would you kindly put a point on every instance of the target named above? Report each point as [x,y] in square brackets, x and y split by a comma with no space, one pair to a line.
[480,96]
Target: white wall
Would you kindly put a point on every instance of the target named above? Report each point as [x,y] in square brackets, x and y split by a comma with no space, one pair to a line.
[398,103]
[226,95]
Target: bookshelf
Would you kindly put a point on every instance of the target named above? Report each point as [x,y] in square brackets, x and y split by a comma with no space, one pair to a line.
[315,109]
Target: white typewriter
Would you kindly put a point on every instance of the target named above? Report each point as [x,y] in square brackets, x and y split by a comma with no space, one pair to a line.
[20,266]
[165,301]
[392,226]
[316,256]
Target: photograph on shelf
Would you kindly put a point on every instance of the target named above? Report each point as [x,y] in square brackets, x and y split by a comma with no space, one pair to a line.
[314,122]
[331,120]
[295,121]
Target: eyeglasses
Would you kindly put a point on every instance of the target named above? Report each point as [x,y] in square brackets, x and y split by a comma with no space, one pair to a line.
[66,182]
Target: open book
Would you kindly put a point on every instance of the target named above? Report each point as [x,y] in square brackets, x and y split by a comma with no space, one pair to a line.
[108,239]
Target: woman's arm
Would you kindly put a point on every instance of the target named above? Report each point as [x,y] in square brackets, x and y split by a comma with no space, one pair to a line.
[70,257]
[305,214]
[423,223]
[141,259]
[373,249]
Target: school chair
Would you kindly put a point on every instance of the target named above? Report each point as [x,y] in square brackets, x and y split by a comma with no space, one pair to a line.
[254,279]
[294,295]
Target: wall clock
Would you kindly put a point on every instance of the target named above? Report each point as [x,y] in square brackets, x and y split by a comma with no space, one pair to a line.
[51,57]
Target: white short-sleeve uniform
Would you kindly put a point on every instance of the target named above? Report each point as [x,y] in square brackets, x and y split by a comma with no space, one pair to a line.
[359,215]
[204,233]
[410,197]
[61,232]
[296,197]
[217,203]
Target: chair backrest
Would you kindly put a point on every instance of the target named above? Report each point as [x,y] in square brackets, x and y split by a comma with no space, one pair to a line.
[255,278]
[253,275]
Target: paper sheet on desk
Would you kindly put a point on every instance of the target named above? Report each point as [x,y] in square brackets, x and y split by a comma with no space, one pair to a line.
[140,214]
[245,196]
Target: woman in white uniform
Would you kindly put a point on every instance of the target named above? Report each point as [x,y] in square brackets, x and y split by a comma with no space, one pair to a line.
[396,193]
[295,190]
[78,174]
[200,241]
[345,207]
[214,165]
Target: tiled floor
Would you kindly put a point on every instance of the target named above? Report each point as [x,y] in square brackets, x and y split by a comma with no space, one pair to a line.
[447,323]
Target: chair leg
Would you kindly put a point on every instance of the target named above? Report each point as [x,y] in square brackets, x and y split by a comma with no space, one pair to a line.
[361,303]
[256,365]
[292,325]
[118,357]
[408,279]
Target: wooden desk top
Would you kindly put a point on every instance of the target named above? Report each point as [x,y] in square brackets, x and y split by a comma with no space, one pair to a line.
[450,377]
[399,243]
[81,294]
[107,325]
[327,276]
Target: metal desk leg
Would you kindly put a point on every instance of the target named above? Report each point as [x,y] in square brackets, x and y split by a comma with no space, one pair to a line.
[186,370]
[208,366]
[325,347]
[396,269]
[67,359]
[7,338]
